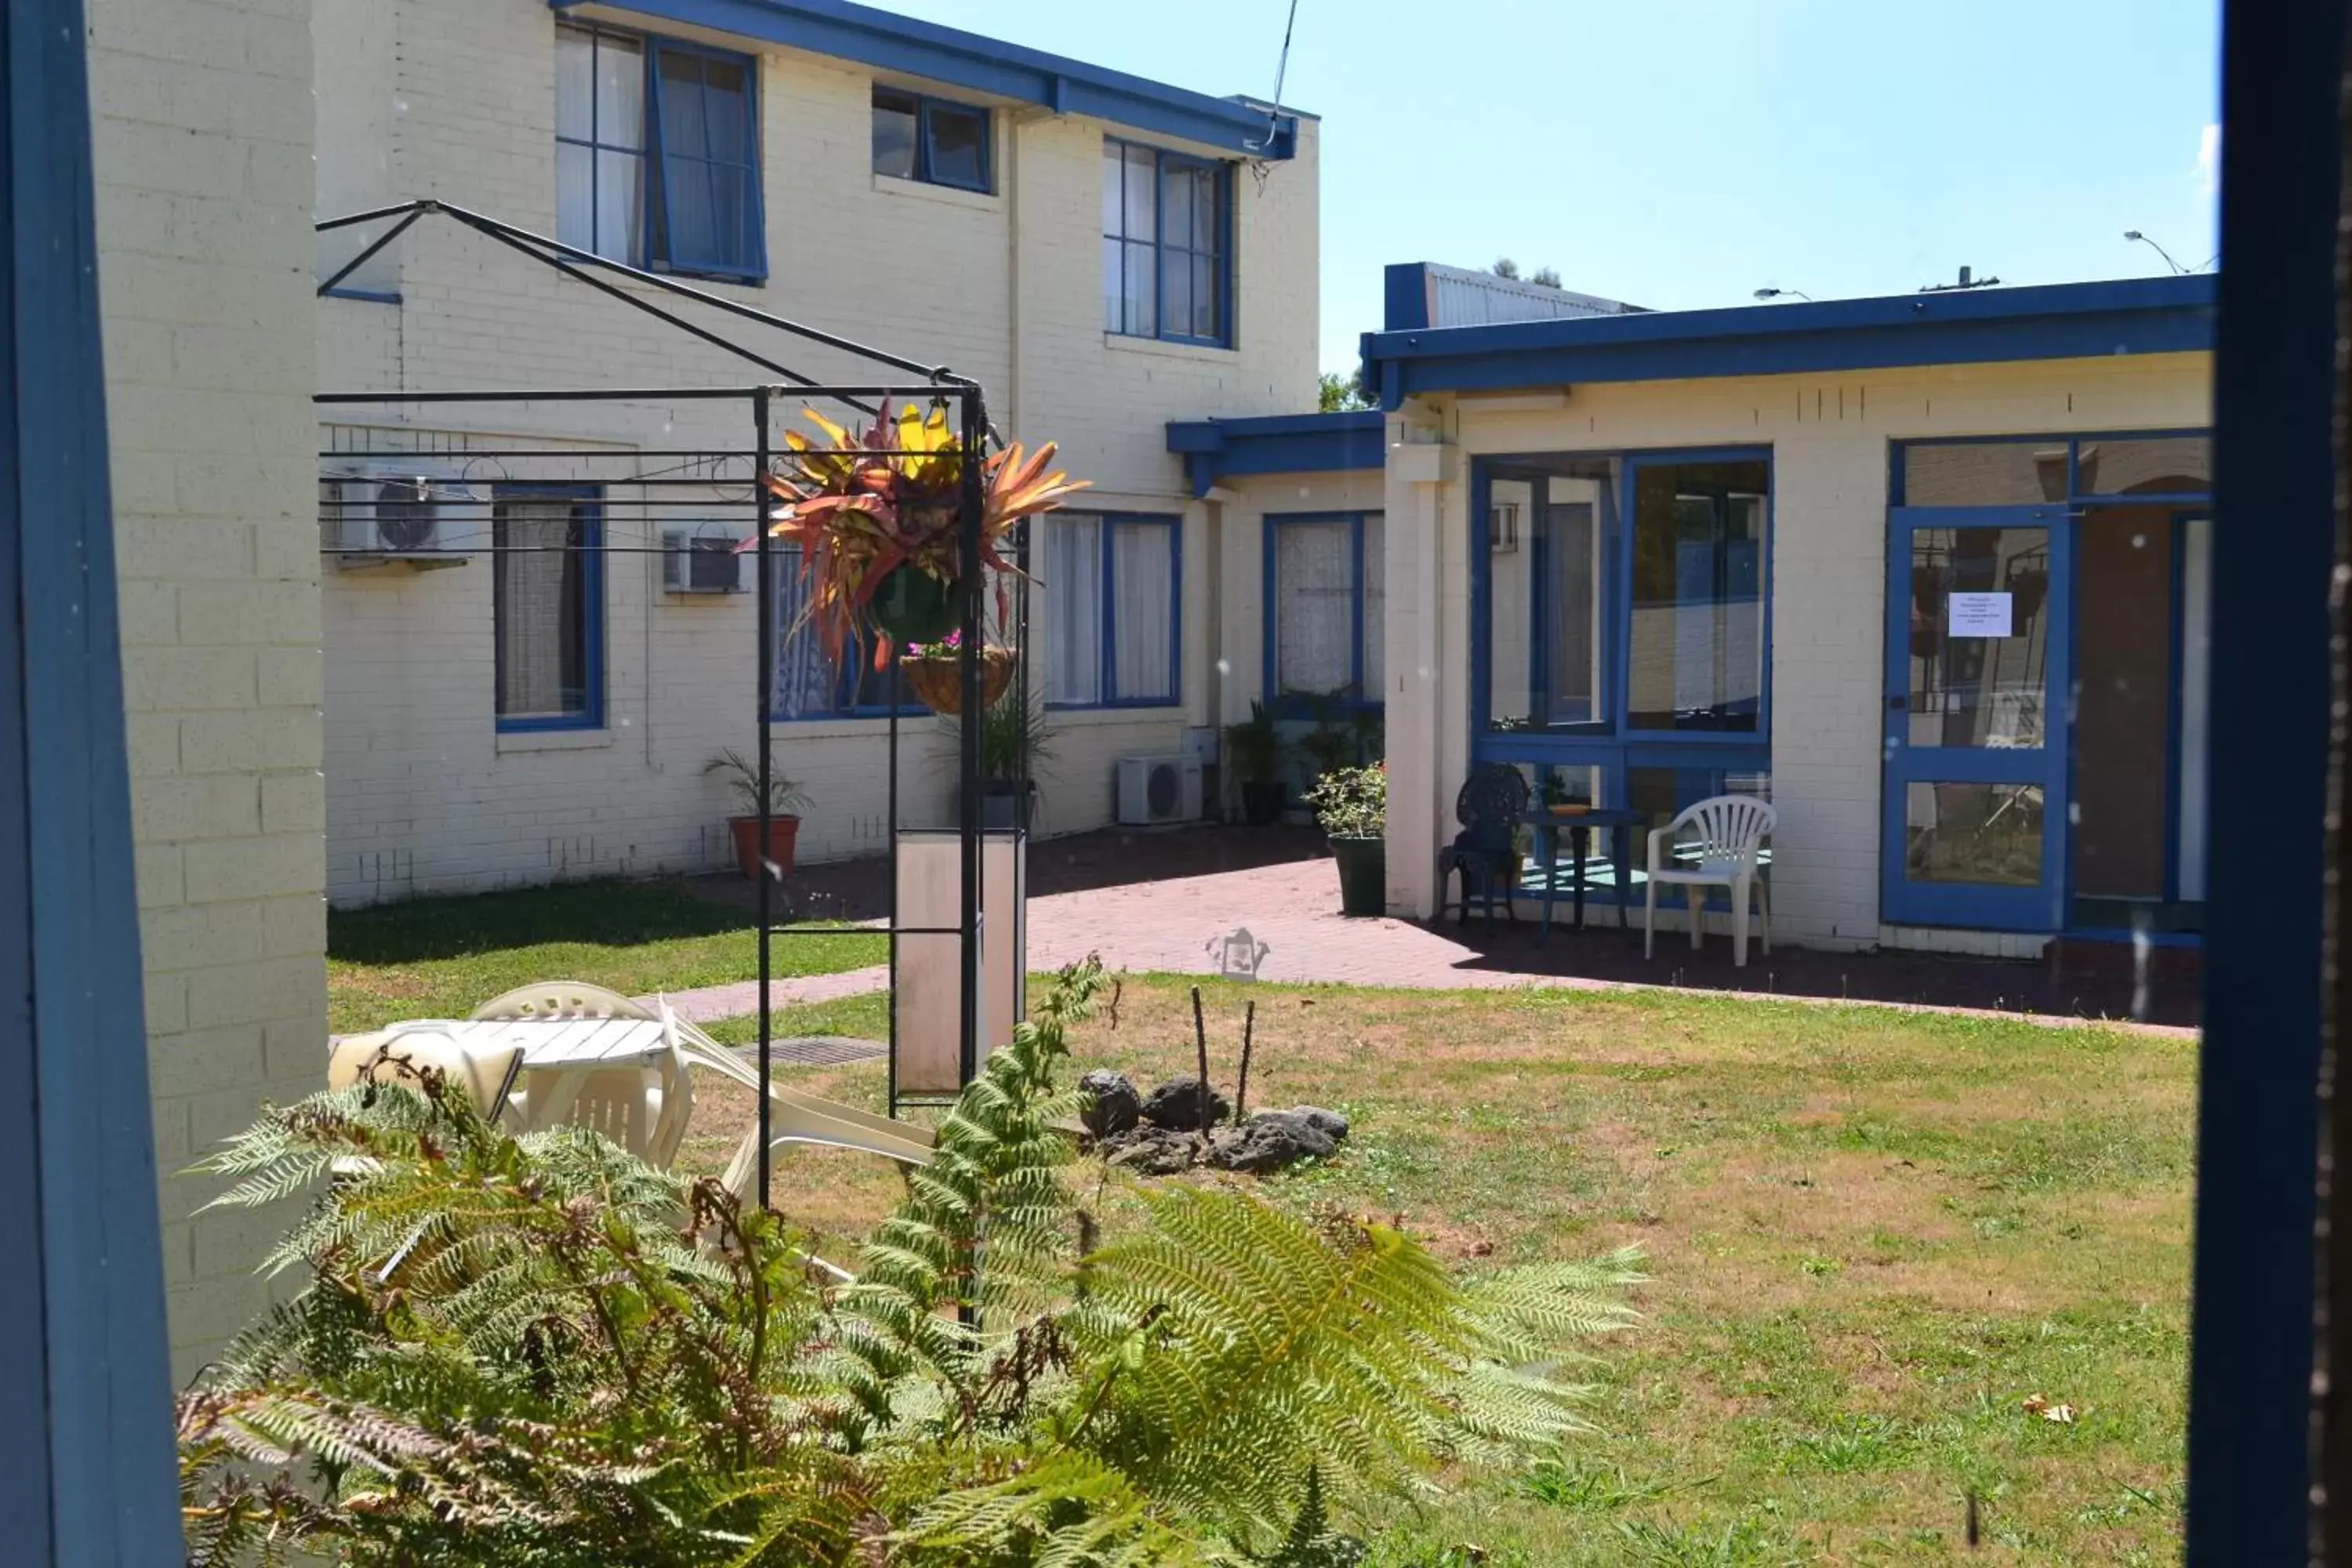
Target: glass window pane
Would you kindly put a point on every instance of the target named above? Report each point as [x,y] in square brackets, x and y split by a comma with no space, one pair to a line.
[1073,591]
[1695,648]
[804,681]
[958,146]
[1314,595]
[1114,287]
[575,84]
[1985,473]
[540,609]
[1114,205]
[1376,602]
[620,220]
[620,93]
[1143,584]
[1980,833]
[575,196]
[1972,689]
[1176,302]
[1176,191]
[1205,323]
[1570,545]
[1143,292]
[1206,209]
[1142,215]
[1514,607]
[685,121]
[893,134]
[2162,465]
[726,108]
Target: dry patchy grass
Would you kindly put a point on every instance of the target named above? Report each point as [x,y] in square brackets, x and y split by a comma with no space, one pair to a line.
[1872,1235]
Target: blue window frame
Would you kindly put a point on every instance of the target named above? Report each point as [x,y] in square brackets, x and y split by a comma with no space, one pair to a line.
[657,154]
[1114,591]
[1167,245]
[934,140]
[807,686]
[547,599]
[1621,622]
[1325,604]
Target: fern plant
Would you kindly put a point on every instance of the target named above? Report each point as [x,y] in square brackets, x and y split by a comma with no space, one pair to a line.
[540,1352]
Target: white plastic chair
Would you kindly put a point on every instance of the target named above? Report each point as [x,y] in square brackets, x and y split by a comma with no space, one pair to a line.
[487,1075]
[644,1112]
[1724,844]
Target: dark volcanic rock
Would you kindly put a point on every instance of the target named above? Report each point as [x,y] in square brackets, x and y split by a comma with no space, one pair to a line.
[1270,1140]
[1114,1106]
[1176,1106]
[1151,1151]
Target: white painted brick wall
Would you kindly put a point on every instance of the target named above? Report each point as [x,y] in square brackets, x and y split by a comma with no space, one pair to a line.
[202,134]
[1830,436]
[457,98]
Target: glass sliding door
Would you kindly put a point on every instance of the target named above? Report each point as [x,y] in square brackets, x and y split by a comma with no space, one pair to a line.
[1977,664]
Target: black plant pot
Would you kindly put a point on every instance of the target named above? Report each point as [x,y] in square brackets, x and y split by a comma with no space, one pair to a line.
[914,606]
[1364,876]
[1263,801]
[1005,804]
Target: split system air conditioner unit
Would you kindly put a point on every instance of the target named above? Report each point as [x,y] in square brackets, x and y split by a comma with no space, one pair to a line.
[703,561]
[417,516]
[1153,790]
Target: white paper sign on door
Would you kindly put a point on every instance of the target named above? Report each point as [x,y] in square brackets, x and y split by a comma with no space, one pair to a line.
[1979,614]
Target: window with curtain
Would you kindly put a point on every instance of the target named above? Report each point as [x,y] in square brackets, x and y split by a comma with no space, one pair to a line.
[1325,593]
[932,140]
[547,610]
[1696,653]
[1166,225]
[804,683]
[657,154]
[1111,591]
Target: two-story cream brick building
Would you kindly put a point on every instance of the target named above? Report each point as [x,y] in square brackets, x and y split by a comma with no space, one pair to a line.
[1104,254]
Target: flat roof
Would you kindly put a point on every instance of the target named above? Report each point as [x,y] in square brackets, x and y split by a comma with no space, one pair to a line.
[2059,321]
[978,63]
[1216,449]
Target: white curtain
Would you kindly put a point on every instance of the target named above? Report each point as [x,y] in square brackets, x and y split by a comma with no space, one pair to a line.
[1376,605]
[1073,584]
[538,581]
[804,677]
[1143,578]
[1315,607]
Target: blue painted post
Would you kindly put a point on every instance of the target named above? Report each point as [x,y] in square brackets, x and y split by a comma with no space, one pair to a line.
[87,1476]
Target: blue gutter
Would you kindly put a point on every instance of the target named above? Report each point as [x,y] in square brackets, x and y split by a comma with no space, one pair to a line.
[1217,449]
[2063,321]
[979,64]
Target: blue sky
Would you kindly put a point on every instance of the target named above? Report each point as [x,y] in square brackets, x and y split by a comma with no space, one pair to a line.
[1680,153]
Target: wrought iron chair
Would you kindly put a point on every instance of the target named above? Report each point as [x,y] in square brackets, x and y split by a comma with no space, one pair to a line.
[1484,854]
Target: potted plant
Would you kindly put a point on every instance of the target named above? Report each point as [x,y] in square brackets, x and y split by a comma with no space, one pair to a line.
[1254,755]
[1351,804]
[876,516]
[1015,743]
[934,672]
[784,800]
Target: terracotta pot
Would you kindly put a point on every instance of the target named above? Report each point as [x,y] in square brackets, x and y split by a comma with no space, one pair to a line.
[783,834]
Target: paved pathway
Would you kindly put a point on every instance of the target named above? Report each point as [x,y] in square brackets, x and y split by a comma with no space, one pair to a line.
[1179,926]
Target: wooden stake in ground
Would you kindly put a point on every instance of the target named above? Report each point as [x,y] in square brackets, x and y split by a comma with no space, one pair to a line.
[1241,1089]
[1201,1049]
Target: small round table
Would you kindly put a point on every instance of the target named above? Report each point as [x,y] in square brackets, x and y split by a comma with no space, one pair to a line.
[1623,822]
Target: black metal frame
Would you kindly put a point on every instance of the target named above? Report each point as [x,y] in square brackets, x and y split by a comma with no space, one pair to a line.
[939,387]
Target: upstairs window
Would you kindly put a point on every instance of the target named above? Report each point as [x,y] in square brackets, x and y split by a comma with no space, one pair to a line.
[1167,226]
[932,140]
[657,154]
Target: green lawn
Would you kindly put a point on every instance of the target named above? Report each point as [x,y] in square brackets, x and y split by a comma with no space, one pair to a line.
[1872,1235]
[441,958]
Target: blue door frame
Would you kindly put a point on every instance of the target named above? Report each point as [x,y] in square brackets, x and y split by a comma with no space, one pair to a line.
[1982,906]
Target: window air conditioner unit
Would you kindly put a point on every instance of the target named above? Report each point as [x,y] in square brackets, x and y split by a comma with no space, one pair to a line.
[424,520]
[1154,790]
[700,563]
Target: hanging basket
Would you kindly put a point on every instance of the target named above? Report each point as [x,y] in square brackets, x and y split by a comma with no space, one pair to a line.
[938,679]
[911,607]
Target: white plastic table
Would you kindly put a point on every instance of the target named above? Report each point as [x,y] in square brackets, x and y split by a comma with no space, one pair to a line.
[558,1055]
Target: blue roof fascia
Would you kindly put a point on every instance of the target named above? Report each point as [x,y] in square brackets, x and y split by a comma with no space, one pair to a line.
[2061,321]
[971,60]
[1217,449]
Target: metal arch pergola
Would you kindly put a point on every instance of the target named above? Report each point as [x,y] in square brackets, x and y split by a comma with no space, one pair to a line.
[937,385]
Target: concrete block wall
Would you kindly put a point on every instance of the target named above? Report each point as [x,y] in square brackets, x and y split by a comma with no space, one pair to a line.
[424,794]
[202,136]
[1830,437]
